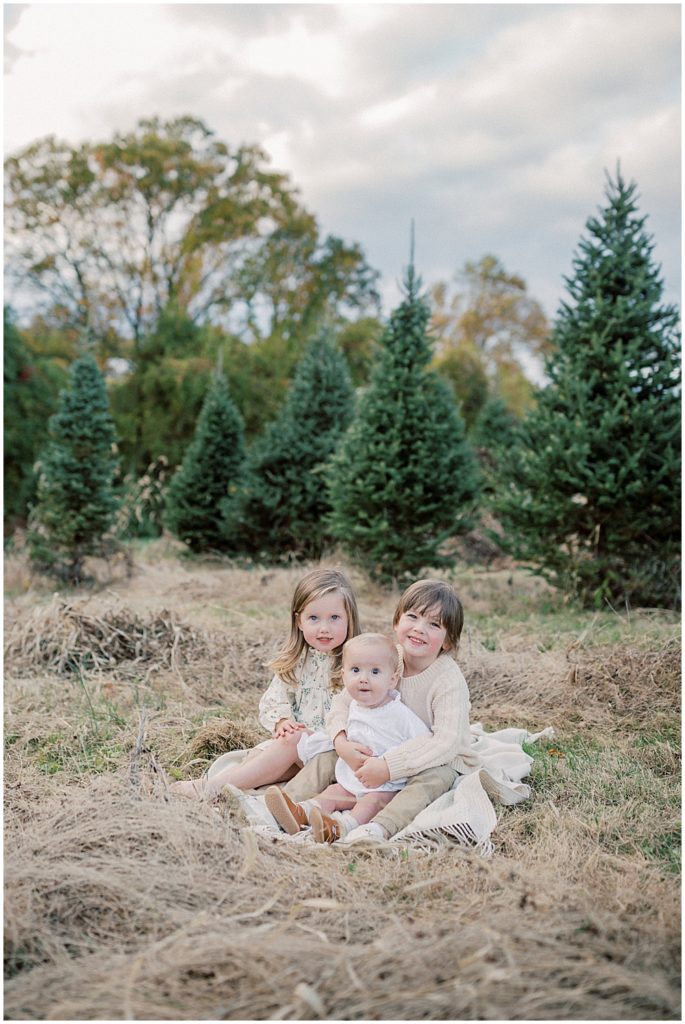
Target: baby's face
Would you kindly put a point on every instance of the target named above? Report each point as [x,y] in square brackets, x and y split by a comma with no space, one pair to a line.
[368,674]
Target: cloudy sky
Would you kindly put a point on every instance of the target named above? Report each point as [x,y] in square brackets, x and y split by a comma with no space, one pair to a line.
[490,124]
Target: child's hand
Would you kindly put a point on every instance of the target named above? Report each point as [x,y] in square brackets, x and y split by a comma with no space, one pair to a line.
[285,726]
[353,754]
[374,772]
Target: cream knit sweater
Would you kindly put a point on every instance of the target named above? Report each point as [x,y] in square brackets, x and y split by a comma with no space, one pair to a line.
[440,697]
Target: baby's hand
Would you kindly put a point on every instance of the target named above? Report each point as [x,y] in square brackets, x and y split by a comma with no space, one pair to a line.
[285,726]
[353,754]
[374,772]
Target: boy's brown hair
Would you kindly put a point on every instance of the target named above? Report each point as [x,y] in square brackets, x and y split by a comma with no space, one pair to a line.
[426,595]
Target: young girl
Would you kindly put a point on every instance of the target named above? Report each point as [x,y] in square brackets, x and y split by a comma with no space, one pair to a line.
[308,672]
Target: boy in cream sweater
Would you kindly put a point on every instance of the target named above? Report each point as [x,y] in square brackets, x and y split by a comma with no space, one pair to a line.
[428,622]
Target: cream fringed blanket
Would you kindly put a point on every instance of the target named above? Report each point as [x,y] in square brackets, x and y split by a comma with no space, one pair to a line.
[464,814]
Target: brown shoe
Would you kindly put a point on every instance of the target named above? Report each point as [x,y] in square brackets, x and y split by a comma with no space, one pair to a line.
[324,829]
[290,816]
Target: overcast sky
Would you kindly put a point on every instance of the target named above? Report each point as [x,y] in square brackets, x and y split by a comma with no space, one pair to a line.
[491,125]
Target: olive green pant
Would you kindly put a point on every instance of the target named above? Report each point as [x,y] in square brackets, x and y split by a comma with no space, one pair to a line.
[421,790]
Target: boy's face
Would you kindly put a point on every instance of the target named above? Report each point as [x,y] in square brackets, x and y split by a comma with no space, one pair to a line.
[421,636]
[368,674]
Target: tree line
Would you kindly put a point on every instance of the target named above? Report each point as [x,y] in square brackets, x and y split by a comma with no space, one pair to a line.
[327,427]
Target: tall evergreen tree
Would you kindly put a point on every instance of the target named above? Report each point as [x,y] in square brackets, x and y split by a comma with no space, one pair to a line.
[75,504]
[31,389]
[493,435]
[405,478]
[211,466]
[592,496]
[279,508]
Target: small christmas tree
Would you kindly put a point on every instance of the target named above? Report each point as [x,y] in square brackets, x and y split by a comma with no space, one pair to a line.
[592,491]
[279,508]
[405,478]
[211,466]
[75,504]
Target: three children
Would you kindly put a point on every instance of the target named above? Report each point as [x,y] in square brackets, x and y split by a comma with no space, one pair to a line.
[428,622]
[376,719]
[356,791]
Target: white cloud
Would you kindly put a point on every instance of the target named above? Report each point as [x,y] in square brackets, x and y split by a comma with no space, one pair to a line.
[403,108]
[314,57]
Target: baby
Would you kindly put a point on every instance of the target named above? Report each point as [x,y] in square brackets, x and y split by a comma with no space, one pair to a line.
[371,670]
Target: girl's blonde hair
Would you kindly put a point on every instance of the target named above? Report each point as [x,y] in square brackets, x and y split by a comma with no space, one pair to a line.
[314,585]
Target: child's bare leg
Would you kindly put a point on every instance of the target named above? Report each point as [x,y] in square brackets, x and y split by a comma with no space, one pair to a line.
[193,788]
[335,798]
[275,763]
[329,826]
[368,805]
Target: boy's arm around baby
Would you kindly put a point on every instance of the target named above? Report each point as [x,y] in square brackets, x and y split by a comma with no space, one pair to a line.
[440,697]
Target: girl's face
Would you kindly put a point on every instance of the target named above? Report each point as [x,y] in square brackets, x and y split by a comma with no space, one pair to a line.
[324,622]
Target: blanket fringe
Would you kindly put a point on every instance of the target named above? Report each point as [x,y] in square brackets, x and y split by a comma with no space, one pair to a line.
[462,833]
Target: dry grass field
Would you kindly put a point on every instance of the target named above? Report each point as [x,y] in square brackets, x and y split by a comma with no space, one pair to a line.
[122,905]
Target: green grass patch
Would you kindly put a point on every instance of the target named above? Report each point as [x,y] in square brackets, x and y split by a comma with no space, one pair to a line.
[83,753]
[629,804]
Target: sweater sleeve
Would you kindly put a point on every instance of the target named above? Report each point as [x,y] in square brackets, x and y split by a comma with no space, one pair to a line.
[276,703]
[336,719]
[450,715]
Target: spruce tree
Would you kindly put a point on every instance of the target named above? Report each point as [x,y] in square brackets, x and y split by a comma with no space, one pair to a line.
[279,508]
[404,479]
[31,390]
[493,435]
[592,490]
[75,505]
[211,466]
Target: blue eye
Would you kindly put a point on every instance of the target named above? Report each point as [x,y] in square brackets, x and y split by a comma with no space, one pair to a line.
[376,671]
[336,616]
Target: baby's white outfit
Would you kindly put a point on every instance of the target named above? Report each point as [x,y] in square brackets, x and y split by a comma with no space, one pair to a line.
[381,729]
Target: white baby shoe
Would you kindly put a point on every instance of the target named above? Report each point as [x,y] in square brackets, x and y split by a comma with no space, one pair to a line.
[370,835]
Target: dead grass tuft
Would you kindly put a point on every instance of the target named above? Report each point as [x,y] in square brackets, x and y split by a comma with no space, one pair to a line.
[603,685]
[221,735]
[64,638]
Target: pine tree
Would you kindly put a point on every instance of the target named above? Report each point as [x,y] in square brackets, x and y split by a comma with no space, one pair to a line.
[279,509]
[75,504]
[493,435]
[405,478]
[211,466]
[592,491]
[31,390]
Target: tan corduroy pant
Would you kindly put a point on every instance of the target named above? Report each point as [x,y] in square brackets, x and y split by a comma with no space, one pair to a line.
[420,791]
